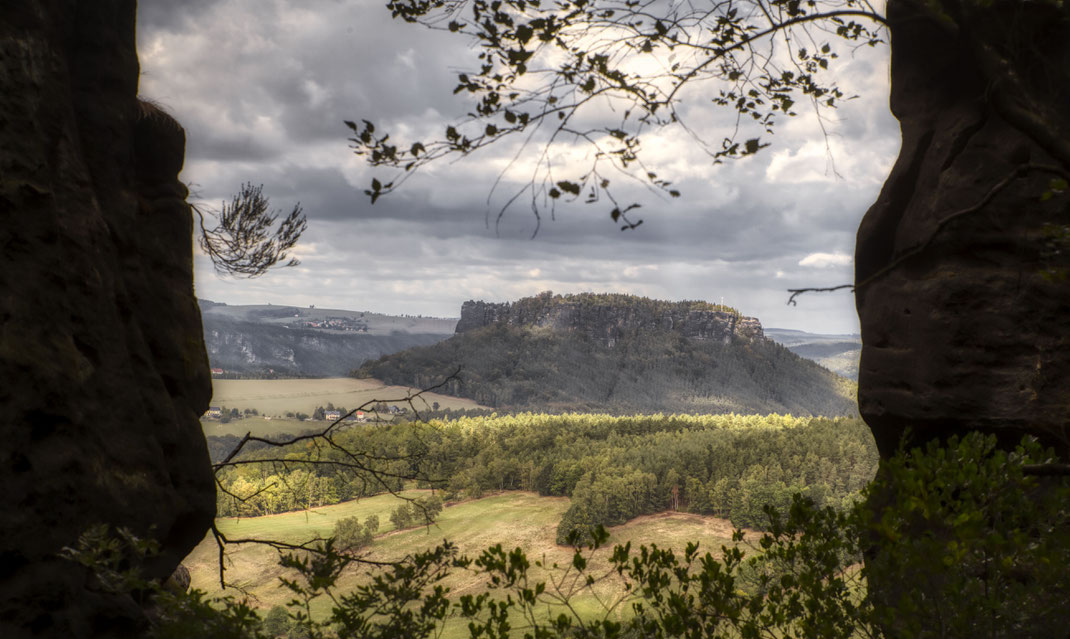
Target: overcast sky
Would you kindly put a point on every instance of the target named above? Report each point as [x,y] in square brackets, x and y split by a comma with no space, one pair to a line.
[263,86]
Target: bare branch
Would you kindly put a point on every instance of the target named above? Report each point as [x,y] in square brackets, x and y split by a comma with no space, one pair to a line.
[1018,172]
[332,427]
[795,292]
[1046,470]
[314,545]
[354,460]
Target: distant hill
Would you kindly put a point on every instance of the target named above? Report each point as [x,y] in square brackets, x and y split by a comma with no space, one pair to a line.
[838,353]
[288,341]
[619,354]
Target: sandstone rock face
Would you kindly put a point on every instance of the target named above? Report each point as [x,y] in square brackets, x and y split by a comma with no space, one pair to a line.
[601,321]
[101,356]
[963,296]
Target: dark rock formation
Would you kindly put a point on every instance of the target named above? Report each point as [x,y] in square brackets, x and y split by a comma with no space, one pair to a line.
[608,318]
[961,268]
[103,365]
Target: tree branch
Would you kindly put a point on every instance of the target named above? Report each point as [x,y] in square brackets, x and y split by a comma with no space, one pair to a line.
[356,463]
[996,189]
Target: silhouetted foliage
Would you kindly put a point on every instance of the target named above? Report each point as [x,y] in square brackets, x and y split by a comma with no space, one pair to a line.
[246,241]
[982,536]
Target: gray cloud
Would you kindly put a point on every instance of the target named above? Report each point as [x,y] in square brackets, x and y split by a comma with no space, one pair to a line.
[263,88]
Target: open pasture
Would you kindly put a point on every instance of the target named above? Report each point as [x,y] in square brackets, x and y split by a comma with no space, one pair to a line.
[276,397]
[513,519]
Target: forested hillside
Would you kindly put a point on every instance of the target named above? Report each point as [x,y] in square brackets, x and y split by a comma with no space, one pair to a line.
[613,468]
[640,368]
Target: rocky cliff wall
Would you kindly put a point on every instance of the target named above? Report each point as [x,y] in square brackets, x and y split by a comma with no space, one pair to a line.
[608,319]
[103,367]
[962,280]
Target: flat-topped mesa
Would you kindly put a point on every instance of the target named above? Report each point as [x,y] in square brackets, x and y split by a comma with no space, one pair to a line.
[609,317]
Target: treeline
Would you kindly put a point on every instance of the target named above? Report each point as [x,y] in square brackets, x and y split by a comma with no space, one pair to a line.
[530,369]
[622,303]
[612,468]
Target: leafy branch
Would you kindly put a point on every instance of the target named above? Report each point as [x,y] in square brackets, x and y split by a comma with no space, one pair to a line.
[546,70]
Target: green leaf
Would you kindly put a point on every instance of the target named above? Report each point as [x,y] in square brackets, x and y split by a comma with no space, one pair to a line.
[569,187]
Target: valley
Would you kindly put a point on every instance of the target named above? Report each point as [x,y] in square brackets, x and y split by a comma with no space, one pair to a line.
[273,399]
[665,422]
[838,353]
[278,341]
[516,519]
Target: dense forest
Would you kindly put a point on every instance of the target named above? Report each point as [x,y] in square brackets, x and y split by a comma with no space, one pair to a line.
[529,368]
[612,468]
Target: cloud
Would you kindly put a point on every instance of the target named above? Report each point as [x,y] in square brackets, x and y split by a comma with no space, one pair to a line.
[262,89]
[825,260]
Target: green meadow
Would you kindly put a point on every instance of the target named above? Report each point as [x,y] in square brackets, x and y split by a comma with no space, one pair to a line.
[514,519]
[273,398]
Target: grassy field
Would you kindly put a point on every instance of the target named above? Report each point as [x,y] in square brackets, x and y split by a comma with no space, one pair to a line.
[275,397]
[514,519]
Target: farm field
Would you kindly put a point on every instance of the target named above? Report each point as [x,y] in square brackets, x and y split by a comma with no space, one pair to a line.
[275,397]
[512,518]
[259,427]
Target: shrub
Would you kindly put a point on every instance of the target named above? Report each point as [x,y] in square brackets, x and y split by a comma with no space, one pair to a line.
[427,509]
[276,622]
[402,516]
[350,534]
